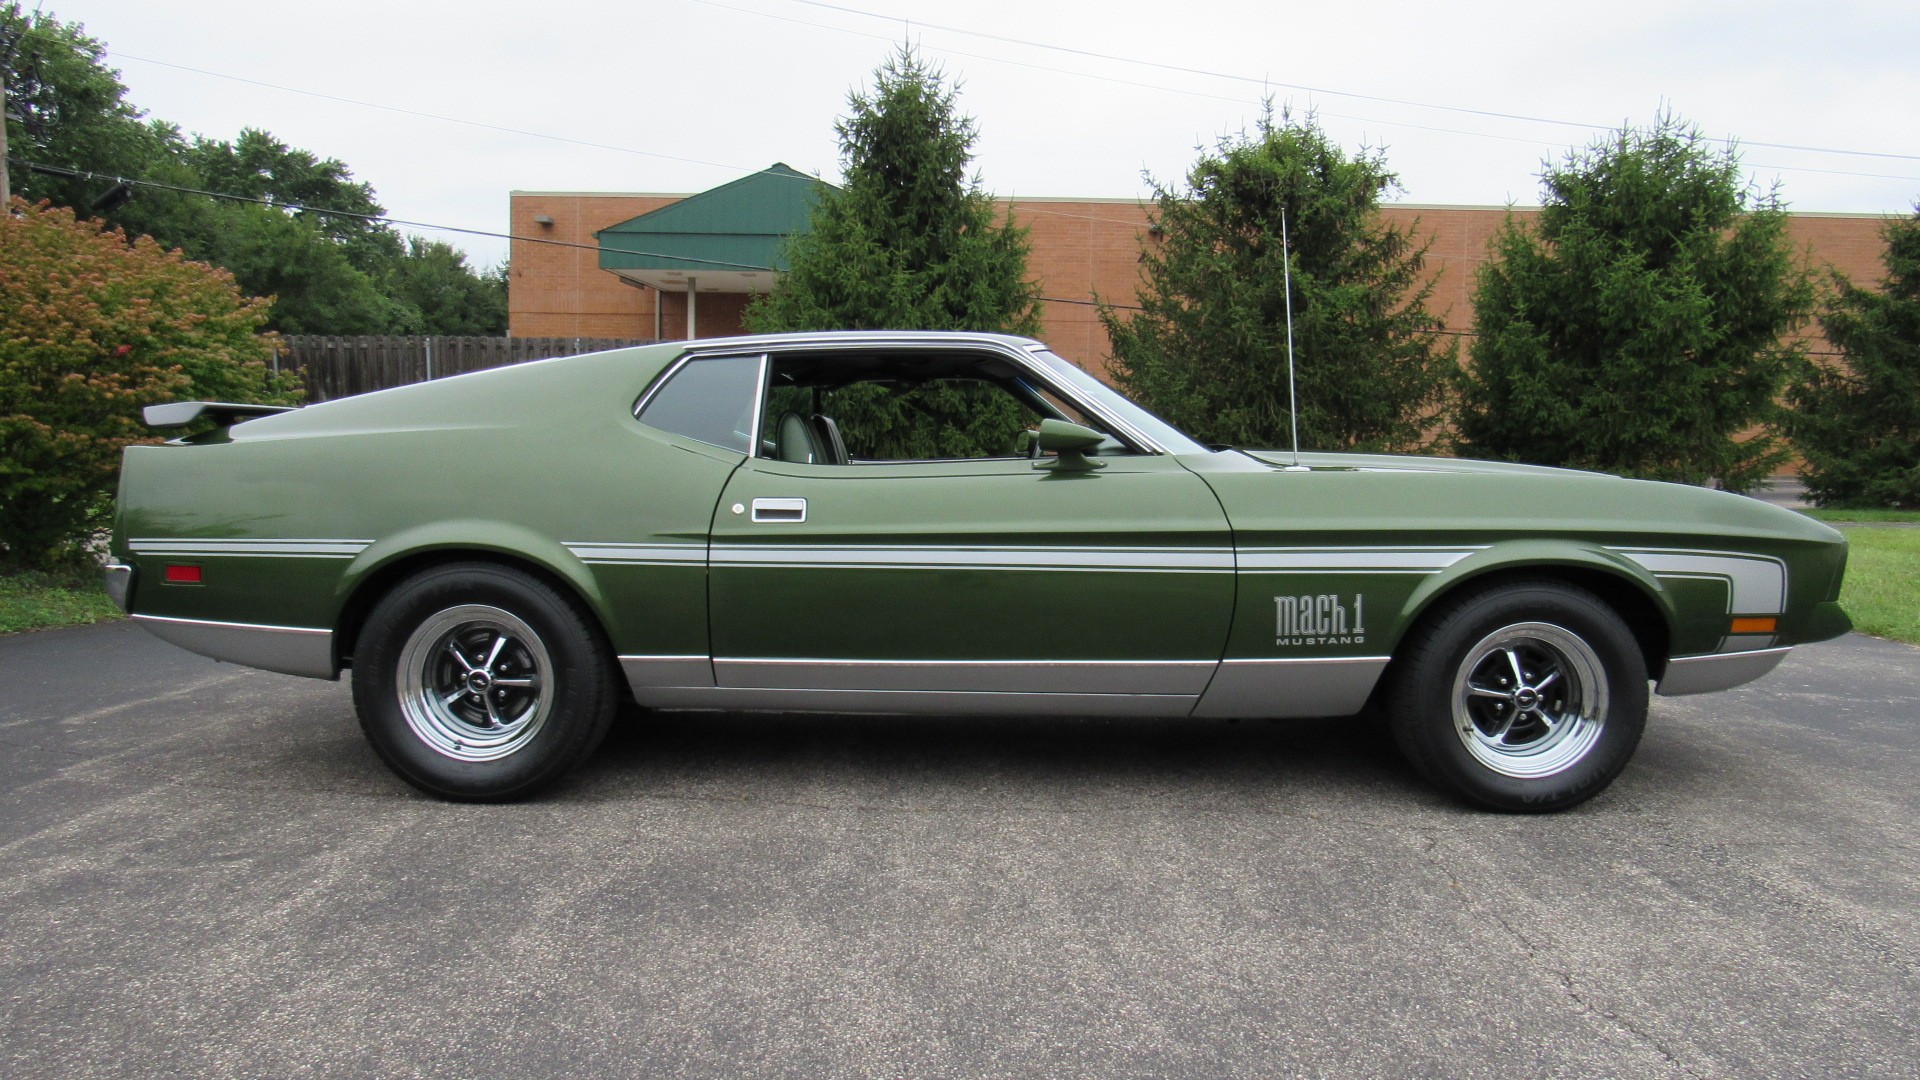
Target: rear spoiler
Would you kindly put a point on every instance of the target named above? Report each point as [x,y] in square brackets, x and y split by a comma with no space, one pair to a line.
[179,414]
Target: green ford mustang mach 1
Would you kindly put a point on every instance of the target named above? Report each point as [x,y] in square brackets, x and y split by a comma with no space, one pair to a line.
[931,523]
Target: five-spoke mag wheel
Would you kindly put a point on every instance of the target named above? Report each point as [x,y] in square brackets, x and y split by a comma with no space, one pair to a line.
[476,683]
[1530,699]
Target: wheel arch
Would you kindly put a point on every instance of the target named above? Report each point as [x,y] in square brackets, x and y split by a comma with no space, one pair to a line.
[386,564]
[1629,590]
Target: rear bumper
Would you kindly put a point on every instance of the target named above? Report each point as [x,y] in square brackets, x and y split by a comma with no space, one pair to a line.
[294,650]
[1723,671]
[119,583]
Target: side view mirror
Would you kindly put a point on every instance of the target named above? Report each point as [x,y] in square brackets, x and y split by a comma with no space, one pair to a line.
[1070,442]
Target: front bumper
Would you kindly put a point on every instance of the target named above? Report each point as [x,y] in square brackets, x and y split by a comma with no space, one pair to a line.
[1721,671]
[119,583]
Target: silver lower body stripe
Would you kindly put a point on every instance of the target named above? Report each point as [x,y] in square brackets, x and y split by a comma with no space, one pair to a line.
[1337,686]
[1179,677]
[922,702]
[643,672]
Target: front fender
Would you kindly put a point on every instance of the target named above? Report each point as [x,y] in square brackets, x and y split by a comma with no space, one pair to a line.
[1511,555]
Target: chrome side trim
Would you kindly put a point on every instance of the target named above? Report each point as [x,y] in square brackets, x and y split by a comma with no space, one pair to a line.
[941,702]
[118,582]
[1308,686]
[206,548]
[643,672]
[1722,671]
[1177,560]
[1334,559]
[1187,678]
[639,554]
[292,650]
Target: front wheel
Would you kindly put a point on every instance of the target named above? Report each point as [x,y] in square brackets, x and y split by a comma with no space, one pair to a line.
[481,682]
[1527,697]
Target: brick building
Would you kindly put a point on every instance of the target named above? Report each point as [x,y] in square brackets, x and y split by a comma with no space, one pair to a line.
[1081,248]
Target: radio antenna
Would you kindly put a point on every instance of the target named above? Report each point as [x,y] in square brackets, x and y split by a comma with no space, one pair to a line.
[1293,398]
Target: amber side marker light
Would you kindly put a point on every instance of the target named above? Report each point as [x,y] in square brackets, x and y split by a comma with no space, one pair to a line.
[178,574]
[1755,625]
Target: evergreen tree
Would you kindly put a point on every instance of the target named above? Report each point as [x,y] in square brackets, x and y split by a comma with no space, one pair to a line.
[1208,349]
[908,242]
[1636,325]
[1858,425]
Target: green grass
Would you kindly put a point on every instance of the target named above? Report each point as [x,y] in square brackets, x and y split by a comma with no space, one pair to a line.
[1863,515]
[37,601]
[1882,590]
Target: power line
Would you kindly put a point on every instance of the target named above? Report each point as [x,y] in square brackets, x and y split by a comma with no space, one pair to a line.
[83,174]
[1263,81]
[427,115]
[376,218]
[590,144]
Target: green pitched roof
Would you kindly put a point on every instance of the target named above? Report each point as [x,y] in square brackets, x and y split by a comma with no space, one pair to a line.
[737,226]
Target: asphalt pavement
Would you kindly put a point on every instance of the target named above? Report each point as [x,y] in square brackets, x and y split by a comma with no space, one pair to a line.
[205,871]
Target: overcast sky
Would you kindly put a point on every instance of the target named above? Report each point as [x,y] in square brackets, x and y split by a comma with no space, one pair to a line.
[682,95]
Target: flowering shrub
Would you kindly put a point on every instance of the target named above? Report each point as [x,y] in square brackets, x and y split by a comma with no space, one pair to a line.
[92,328]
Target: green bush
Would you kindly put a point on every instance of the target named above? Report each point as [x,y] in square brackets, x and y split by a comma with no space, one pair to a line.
[1858,424]
[92,328]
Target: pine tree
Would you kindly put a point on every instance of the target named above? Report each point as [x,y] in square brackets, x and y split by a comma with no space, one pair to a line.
[1208,349]
[909,242]
[1636,325]
[1858,425]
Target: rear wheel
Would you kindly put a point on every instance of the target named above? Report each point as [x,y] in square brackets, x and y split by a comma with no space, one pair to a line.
[481,682]
[1526,697]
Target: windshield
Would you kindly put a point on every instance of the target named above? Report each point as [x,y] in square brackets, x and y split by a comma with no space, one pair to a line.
[1108,400]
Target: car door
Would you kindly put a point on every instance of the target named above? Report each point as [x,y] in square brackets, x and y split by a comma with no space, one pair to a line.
[991,585]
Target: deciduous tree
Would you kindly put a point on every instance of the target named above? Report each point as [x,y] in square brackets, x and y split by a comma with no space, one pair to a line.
[92,328]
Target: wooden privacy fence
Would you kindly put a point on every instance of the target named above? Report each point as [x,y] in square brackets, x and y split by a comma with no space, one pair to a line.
[336,367]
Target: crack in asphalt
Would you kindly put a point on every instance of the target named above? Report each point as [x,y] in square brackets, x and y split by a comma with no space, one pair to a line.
[1560,973]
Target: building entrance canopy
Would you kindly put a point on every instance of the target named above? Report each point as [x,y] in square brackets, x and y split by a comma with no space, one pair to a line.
[727,240]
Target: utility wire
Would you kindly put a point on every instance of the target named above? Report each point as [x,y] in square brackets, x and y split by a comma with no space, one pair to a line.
[83,174]
[400,110]
[427,115]
[1262,81]
[376,218]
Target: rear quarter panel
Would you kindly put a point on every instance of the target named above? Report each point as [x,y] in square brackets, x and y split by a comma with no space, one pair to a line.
[542,462]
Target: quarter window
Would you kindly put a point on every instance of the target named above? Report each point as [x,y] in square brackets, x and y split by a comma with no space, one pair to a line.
[711,401]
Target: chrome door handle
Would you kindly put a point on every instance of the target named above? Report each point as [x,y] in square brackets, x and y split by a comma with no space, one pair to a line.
[790,511]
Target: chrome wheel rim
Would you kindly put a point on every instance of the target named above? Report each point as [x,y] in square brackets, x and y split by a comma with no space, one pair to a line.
[475,683]
[1530,700]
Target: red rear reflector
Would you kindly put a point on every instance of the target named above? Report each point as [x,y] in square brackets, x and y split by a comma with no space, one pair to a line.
[1755,625]
[178,574]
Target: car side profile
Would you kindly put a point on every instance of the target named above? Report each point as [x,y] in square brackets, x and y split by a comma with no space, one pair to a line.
[931,523]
